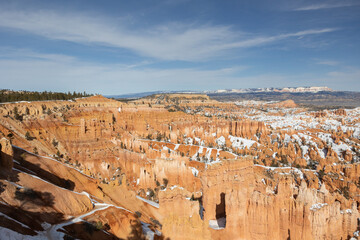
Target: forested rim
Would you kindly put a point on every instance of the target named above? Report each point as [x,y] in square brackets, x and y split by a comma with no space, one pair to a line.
[7,95]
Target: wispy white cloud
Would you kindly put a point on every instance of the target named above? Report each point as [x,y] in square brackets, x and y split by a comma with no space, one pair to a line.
[349,74]
[27,54]
[168,42]
[328,62]
[263,40]
[326,6]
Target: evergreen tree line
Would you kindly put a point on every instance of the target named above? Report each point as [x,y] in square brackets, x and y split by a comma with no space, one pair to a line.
[14,96]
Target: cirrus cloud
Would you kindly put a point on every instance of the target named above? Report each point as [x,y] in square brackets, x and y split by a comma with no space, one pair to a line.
[172,41]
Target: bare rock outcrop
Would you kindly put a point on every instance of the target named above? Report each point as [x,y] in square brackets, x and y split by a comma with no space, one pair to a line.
[6,157]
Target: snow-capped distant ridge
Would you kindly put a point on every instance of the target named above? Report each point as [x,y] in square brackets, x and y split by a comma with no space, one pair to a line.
[286,89]
[307,89]
[227,91]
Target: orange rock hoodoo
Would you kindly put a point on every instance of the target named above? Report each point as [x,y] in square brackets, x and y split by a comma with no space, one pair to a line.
[247,128]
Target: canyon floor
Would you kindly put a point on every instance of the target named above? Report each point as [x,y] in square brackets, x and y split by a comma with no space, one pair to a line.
[178,166]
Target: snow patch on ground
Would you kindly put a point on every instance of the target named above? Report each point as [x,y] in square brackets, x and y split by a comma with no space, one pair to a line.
[338,148]
[304,151]
[175,186]
[287,139]
[195,172]
[263,181]
[317,206]
[188,141]
[198,140]
[242,143]
[208,153]
[200,149]
[220,141]
[346,211]
[148,232]
[154,204]
[8,234]
[296,170]
[218,223]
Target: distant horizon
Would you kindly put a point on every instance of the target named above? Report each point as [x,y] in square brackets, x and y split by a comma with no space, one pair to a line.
[311,96]
[177,91]
[125,47]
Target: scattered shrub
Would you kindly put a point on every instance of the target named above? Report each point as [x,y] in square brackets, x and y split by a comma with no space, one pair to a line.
[274,163]
[99,225]
[151,193]
[165,181]
[28,136]
[55,143]
[35,150]
[138,214]
[269,174]
[17,116]
[345,192]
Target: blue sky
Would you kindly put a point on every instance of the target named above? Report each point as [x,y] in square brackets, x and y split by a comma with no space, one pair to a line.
[116,47]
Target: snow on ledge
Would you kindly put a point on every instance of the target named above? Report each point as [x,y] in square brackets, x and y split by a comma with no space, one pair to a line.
[194,171]
[148,232]
[176,186]
[217,224]
[241,143]
[154,204]
[317,206]
[6,233]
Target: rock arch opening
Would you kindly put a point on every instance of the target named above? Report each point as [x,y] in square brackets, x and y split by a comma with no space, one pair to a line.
[220,214]
[221,208]
[221,211]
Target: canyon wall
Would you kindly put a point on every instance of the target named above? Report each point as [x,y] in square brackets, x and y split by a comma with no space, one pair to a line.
[190,167]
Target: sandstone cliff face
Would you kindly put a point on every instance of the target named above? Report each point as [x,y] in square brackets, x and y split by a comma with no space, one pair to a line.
[237,205]
[181,216]
[47,196]
[247,128]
